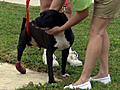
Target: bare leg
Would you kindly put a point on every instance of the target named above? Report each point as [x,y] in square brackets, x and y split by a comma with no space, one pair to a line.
[94,48]
[45,4]
[103,72]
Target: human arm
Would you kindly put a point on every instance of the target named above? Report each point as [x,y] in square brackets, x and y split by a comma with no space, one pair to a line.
[78,17]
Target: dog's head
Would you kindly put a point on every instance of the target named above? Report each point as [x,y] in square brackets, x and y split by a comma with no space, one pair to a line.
[50,19]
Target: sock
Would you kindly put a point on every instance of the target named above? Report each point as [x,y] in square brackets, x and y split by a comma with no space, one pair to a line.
[44,51]
[70,50]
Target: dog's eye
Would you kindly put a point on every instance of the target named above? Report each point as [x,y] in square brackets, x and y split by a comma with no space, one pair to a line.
[40,13]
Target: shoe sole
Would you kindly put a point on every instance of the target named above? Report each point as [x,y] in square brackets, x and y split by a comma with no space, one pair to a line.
[75,65]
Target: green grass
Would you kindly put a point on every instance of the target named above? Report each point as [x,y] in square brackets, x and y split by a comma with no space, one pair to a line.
[10,23]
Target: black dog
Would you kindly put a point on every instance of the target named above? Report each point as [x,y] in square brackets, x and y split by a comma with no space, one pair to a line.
[38,37]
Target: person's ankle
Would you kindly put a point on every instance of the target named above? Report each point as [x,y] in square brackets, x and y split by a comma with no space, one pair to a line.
[81,81]
[100,75]
[104,74]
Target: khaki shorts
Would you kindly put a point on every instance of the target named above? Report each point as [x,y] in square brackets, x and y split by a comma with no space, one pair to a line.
[106,8]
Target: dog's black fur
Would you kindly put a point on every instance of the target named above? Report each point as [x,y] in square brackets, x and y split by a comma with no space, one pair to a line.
[48,18]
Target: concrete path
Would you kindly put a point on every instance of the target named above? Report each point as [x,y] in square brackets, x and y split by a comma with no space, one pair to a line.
[10,78]
[32,2]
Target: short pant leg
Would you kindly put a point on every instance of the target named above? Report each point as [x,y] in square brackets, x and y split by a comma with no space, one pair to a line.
[106,8]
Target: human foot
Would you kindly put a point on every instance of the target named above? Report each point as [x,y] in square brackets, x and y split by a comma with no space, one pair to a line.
[86,85]
[105,79]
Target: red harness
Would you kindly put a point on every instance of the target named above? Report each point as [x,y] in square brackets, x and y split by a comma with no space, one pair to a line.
[27,17]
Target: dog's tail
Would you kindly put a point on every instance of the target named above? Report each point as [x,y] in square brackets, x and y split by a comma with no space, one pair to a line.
[23,24]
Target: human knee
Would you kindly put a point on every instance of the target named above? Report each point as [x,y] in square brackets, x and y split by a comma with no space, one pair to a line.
[96,31]
[45,4]
[44,7]
[99,25]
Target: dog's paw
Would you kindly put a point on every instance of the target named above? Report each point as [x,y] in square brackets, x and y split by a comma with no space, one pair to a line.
[20,68]
[52,82]
[65,75]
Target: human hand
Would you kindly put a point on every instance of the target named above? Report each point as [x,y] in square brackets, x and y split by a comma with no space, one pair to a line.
[54,31]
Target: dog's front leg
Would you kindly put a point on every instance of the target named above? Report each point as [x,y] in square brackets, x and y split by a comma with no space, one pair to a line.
[21,46]
[49,54]
[64,59]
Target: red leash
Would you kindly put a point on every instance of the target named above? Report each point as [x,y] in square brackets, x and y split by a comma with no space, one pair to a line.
[27,17]
[66,2]
[65,5]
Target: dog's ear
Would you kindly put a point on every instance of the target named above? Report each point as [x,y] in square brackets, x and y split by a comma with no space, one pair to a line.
[64,18]
[42,12]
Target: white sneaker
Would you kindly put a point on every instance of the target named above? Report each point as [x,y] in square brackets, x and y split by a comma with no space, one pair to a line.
[55,63]
[104,80]
[73,59]
[86,85]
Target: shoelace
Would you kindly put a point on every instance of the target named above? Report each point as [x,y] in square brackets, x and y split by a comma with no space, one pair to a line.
[74,55]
